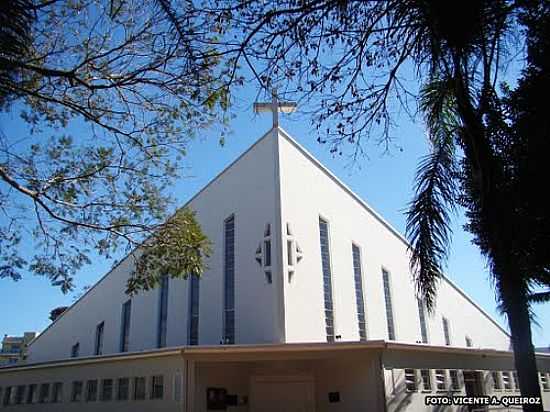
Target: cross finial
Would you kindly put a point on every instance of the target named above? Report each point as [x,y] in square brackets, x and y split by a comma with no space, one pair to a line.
[275,106]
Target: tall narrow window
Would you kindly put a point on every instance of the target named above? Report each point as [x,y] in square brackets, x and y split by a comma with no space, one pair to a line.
[98,350]
[91,390]
[139,388]
[229,282]
[44,393]
[107,390]
[426,376]
[440,380]
[496,380]
[75,350]
[57,392]
[446,331]
[422,317]
[123,389]
[125,326]
[359,298]
[410,380]
[194,294]
[327,279]
[157,387]
[455,381]
[76,395]
[31,393]
[389,306]
[163,312]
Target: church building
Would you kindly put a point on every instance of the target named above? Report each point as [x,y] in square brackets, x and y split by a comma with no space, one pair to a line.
[307,305]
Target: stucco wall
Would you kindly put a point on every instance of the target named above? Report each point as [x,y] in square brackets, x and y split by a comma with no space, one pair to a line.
[309,192]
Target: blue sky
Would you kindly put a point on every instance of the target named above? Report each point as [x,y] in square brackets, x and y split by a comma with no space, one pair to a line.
[384,179]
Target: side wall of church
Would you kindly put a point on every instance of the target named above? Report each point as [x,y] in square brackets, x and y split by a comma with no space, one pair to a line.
[245,190]
[309,193]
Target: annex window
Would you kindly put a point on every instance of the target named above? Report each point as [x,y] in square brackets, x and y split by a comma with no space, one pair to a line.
[75,350]
[76,395]
[7,395]
[506,381]
[57,392]
[440,380]
[157,387]
[229,281]
[139,388]
[389,304]
[359,297]
[410,380]
[99,330]
[125,326]
[469,343]
[194,299]
[446,331]
[19,394]
[426,376]
[422,317]
[163,312]
[327,279]
[107,390]
[123,389]
[44,394]
[31,393]
[516,381]
[544,382]
[289,252]
[455,382]
[496,380]
[91,391]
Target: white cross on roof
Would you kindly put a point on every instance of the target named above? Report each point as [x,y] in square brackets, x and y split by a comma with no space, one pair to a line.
[275,106]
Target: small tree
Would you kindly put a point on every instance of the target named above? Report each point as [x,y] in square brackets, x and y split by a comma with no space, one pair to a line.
[57,312]
[108,97]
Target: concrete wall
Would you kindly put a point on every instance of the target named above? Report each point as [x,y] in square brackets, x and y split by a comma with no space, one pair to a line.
[246,190]
[308,192]
[169,368]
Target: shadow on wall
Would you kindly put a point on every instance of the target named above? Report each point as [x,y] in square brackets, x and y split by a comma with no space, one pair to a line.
[400,399]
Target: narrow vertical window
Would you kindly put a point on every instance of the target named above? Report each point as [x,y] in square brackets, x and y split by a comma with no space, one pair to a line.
[496,380]
[327,279]
[468,342]
[139,388]
[75,350]
[163,312]
[44,394]
[31,393]
[107,390]
[98,350]
[76,395]
[446,331]
[359,298]
[455,381]
[19,394]
[422,317]
[516,381]
[267,252]
[410,380]
[229,282]
[194,295]
[91,391]
[426,376]
[57,392]
[506,381]
[289,253]
[123,389]
[125,326]
[441,380]
[389,305]
[7,395]
[157,387]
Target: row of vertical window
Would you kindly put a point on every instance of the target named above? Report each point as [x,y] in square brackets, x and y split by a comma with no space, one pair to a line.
[92,390]
[450,380]
[359,296]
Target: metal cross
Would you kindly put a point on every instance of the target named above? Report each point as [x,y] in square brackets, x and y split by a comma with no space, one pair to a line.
[275,106]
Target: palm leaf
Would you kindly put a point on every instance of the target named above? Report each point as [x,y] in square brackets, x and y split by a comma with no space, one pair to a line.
[429,214]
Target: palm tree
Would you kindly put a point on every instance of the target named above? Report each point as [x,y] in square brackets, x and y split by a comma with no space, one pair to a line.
[479,161]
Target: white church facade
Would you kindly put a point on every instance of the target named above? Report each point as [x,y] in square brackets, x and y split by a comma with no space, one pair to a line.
[307,305]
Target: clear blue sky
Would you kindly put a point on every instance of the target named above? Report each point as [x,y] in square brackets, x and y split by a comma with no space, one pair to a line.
[384,180]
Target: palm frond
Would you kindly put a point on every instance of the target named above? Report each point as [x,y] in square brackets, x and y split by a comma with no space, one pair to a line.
[540,297]
[429,214]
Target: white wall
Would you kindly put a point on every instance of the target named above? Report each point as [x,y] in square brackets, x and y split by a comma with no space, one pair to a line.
[245,189]
[309,191]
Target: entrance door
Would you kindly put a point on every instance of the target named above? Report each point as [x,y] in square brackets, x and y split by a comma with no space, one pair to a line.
[282,394]
[473,384]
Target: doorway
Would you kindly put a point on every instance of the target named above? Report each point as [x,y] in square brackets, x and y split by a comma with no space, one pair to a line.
[473,385]
[282,394]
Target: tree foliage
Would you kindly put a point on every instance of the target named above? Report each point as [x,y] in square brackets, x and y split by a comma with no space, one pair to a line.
[108,95]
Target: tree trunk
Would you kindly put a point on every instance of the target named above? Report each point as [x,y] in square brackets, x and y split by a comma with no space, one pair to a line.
[524,353]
